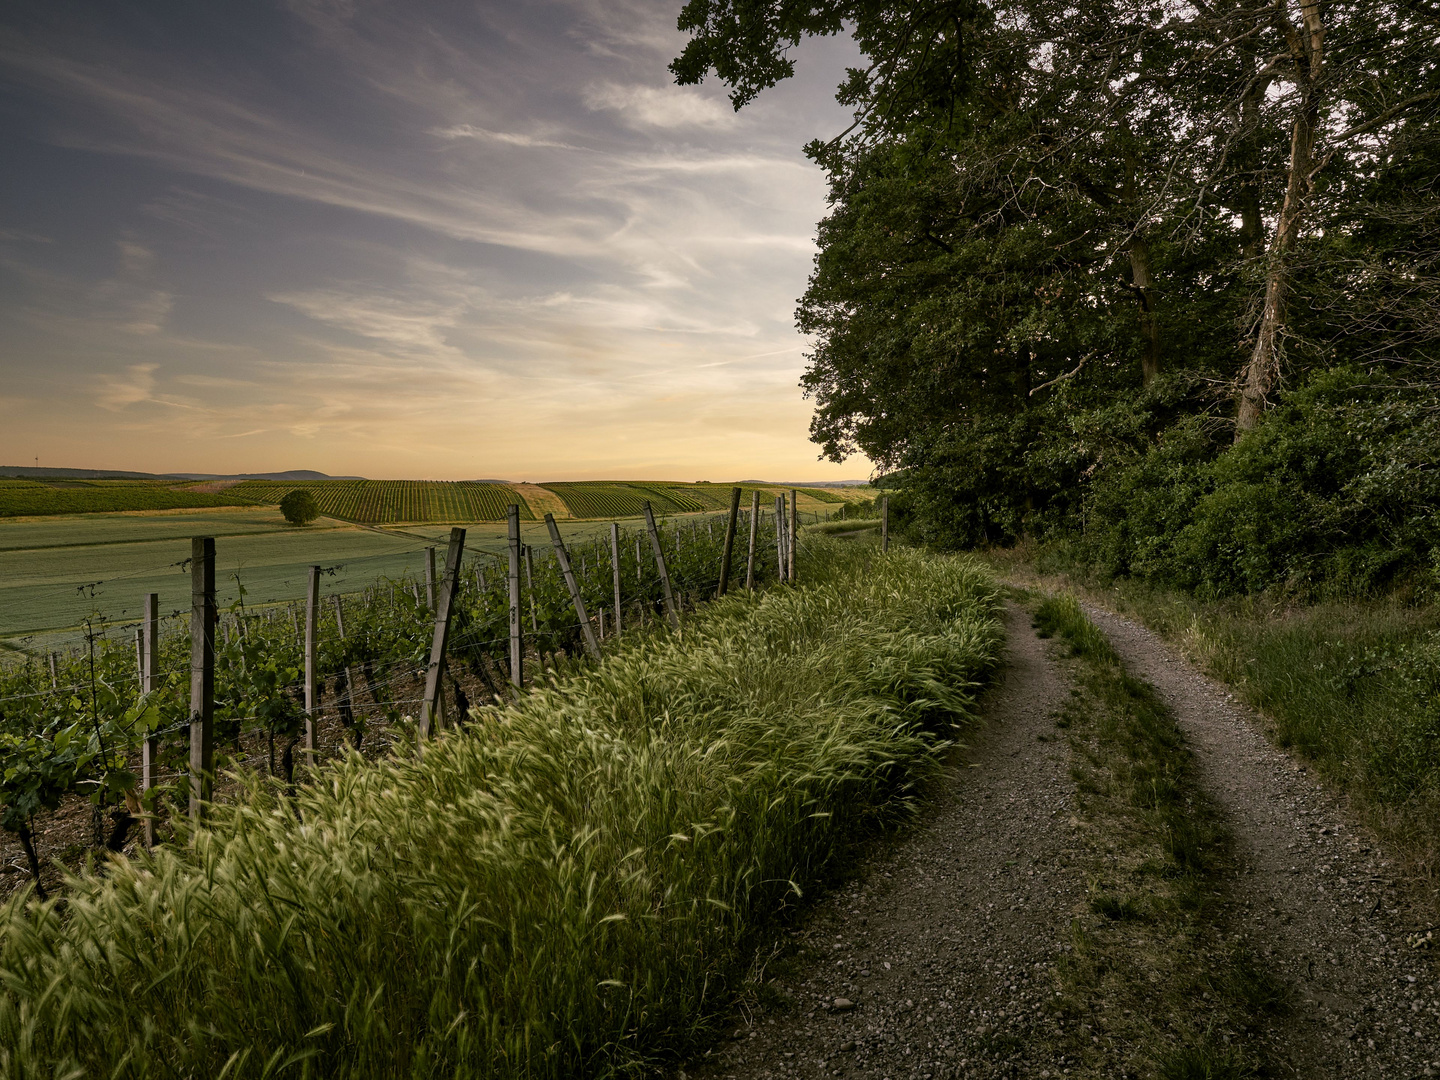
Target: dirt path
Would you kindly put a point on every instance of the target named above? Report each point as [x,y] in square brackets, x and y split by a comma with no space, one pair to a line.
[1315,895]
[940,955]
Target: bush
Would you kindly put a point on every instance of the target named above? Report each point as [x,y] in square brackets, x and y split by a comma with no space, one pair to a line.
[299,507]
[1335,493]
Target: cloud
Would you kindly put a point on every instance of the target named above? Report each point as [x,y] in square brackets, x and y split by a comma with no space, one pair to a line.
[508,138]
[418,239]
[661,106]
[116,392]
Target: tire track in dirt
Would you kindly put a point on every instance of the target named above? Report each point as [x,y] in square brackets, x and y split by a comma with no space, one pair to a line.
[1315,895]
[942,952]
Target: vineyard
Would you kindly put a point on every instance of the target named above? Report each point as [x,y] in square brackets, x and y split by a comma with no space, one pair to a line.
[387,909]
[390,502]
[606,499]
[591,499]
[23,498]
[74,721]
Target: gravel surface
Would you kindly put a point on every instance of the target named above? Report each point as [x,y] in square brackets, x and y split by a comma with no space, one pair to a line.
[937,962]
[1316,896]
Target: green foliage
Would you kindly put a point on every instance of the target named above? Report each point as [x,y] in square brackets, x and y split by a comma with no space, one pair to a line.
[1335,492]
[1045,256]
[567,886]
[299,507]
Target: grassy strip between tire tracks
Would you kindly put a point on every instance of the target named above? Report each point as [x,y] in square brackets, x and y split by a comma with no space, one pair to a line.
[1152,982]
[572,886]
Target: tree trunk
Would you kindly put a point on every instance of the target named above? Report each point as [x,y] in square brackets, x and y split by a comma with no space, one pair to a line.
[1143,284]
[1262,371]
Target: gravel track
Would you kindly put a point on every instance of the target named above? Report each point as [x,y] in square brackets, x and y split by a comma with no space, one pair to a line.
[940,953]
[937,961]
[1315,894]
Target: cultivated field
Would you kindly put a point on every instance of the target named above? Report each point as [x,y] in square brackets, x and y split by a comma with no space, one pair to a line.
[57,571]
[390,502]
[20,497]
[402,502]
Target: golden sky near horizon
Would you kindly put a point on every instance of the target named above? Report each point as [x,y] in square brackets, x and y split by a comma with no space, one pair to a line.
[441,241]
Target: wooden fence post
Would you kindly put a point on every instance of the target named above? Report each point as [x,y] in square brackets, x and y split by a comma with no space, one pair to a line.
[884,522]
[349,675]
[430,578]
[563,557]
[312,646]
[434,684]
[615,566]
[54,674]
[729,541]
[150,747]
[530,587]
[202,673]
[660,564]
[517,643]
[754,531]
[780,536]
[792,535]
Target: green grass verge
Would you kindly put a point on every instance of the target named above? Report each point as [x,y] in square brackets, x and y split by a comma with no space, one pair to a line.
[1152,980]
[854,525]
[1353,687]
[571,886]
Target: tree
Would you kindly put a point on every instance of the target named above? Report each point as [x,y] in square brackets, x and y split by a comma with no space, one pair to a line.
[1061,232]
[1349,77]
[299,507]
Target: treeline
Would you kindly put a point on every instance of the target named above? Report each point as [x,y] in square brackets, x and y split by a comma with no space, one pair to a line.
[1163,278]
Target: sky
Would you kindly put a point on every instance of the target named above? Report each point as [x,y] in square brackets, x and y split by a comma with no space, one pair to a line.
[401,239]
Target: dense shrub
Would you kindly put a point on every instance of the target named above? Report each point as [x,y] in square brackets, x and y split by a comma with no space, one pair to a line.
[299,507]
[1336,492]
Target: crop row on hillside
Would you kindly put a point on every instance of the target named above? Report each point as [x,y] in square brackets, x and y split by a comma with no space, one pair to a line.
[572,885]
[612,499]
[389,502]
[22,498]
[717,496]
[601,499]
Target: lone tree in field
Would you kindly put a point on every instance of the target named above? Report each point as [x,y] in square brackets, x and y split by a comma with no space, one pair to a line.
[299,507]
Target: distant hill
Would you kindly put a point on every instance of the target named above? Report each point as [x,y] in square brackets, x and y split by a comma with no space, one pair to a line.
[293,475]
[31,472]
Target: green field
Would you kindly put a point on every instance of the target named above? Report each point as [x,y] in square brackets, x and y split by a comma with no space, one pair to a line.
[591,499]
[392,502]
[55,574]
[397,502]
[22,498]
[622,498]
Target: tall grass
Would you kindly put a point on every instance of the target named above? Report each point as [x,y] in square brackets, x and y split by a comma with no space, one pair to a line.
[568,887]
